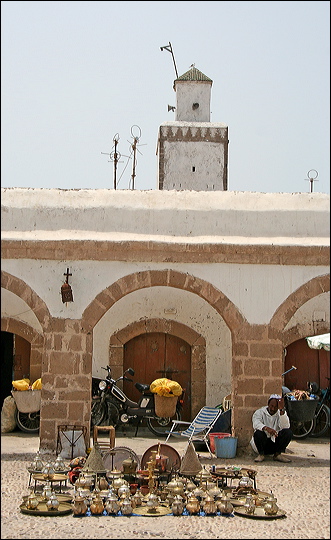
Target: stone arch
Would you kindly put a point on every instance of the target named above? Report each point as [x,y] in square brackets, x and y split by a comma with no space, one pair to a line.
[23,290]
[196,341]
[293,302]
[163,278]
[31,335]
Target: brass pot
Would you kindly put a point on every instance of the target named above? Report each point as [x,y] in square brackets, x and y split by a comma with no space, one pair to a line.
[270,506]
[32,501]
[97,506]
[193,505]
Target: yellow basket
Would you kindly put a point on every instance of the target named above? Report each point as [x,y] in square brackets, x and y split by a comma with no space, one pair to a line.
[165,407]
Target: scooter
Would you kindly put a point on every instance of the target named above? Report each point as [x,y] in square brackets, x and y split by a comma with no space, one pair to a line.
[112,407]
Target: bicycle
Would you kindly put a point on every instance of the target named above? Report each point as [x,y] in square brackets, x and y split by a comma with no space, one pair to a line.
[321,421]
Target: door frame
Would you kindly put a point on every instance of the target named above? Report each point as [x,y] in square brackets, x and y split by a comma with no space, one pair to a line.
[196,341]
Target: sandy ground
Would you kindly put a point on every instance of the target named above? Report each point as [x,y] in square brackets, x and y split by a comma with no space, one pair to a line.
[302,489]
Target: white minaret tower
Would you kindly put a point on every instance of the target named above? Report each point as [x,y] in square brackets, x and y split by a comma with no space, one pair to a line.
[192,151]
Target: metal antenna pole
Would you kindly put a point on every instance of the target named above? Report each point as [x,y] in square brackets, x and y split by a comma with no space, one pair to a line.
[169,49]
[115,162]
[312,177]
[134,148]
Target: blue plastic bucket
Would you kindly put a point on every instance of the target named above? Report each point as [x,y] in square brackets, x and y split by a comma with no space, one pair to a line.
[226,447]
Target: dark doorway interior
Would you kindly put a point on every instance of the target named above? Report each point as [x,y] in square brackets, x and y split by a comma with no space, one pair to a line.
[7,355]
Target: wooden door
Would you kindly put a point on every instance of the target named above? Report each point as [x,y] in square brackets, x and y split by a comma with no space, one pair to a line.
[157,355]
[312,365]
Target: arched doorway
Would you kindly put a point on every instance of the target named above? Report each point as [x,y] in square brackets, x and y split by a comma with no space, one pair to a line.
[156,355]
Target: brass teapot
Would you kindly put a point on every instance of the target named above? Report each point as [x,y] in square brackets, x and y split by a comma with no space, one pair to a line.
[79,506]
[177,506]
[209,505]
[249,505]
[126,506]
[112,504]
[193,504]
[270,506]
[48,471]
[224,505]
[32,501]
[53,502]
[97,506]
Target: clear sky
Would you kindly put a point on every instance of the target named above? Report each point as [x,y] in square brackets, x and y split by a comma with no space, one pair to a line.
[75,74]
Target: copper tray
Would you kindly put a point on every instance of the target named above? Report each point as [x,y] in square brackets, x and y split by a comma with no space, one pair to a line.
[42,510]
[259,513]
[166,450]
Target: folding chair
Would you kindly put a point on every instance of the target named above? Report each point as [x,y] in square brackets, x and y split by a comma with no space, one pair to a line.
[199,428]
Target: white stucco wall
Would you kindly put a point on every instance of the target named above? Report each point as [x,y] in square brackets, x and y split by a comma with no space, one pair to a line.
[191,92]
[171,216]
[181,157]
[256,290]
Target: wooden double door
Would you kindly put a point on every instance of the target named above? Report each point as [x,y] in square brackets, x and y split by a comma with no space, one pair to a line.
[157,355]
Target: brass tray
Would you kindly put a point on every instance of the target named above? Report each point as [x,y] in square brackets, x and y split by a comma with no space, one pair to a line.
[56,478]
[42,510]
[259,513]
[160,511]
[61,497]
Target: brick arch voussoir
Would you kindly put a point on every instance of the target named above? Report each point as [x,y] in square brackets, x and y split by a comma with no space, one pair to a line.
[303,330]
[31,298]
[162,278]
[165,326]
[22,329]
[298,298]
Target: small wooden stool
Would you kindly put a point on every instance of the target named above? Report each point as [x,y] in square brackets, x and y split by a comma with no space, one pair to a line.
[104,445]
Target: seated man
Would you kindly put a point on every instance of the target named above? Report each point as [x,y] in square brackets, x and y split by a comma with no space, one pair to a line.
[272,432]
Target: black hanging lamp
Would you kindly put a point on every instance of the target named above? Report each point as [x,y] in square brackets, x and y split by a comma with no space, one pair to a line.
[66,291]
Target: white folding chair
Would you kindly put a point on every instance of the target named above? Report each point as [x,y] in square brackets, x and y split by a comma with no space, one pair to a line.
[199,428]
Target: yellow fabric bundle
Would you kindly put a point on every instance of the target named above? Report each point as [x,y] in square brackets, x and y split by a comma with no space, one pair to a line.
[37,385]
[158,382]
[21,384]
[166,387]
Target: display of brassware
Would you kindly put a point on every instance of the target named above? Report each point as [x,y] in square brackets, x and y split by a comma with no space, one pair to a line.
[149,491]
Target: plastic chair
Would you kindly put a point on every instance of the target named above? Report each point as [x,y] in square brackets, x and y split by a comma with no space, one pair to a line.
[199,428]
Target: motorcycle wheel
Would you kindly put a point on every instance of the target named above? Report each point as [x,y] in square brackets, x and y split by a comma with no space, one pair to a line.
[113,414]
[97,413]
[321,422]
[28,422]
[161,426]
[301,430]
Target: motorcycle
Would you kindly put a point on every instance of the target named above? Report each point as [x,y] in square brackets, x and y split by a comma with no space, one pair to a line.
[112,407]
